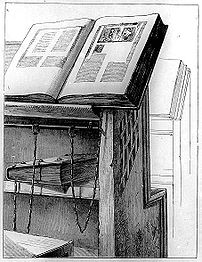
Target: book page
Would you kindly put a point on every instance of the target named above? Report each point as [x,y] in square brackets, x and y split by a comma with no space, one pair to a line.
[48,48]
[109,56]
[38,65]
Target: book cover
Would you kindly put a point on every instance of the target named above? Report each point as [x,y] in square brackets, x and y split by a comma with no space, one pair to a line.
[54,173]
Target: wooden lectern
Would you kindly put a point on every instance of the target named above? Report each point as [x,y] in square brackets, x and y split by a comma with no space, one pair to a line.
[132,215]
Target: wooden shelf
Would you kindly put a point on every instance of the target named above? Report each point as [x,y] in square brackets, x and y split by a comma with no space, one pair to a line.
[54,115]
[84,191]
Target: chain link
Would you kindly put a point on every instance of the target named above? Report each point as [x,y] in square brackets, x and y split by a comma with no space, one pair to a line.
[35,130]
[15,206]
[72,135]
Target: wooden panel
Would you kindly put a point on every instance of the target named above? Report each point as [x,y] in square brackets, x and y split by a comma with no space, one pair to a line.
[53,217]
[139,213]
[145,134]
[106,203]
[137,230]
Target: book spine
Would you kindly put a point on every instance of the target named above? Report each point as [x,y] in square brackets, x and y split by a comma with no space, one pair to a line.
[186,84]
[179,94]
[144,68]
[47,175]
[176,90]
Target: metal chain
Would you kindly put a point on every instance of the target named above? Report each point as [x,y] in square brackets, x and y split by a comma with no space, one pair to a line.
[15,206]
[35,130]
[40,175]
[72,135]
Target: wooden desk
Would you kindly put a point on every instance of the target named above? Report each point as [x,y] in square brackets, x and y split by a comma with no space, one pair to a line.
[129,211]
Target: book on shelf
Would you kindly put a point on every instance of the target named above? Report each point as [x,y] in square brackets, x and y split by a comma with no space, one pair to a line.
[169,83]
[55,173]
[82,190]
[106,62]
[19,245]
[169,105]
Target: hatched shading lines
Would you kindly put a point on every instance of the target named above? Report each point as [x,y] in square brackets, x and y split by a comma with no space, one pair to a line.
[64,40]
[29,61]
[54,61]
[44,42]
[90,68]
[114,72]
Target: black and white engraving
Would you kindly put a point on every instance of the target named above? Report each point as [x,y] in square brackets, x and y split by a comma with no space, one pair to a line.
[100,131]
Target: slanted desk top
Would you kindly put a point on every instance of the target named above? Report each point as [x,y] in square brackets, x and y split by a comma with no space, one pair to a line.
[54,115]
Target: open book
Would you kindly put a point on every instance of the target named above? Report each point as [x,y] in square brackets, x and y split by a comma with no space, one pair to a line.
[104,62]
